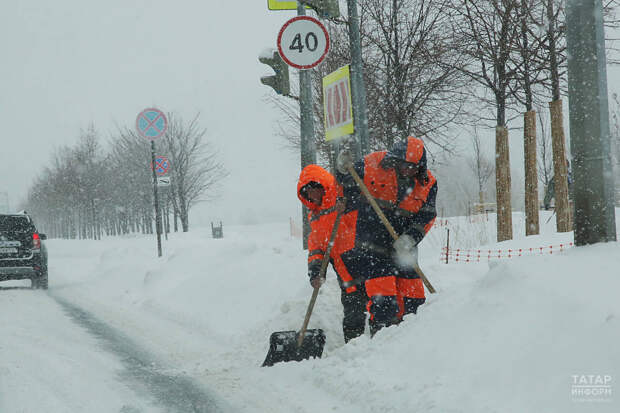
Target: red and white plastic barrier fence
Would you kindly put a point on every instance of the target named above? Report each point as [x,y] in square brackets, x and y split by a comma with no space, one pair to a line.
[458,255]
[441,222]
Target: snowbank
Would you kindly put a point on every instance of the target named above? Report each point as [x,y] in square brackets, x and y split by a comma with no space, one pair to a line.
[506,337]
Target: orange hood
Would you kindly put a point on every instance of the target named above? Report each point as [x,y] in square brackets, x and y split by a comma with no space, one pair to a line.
[318,174]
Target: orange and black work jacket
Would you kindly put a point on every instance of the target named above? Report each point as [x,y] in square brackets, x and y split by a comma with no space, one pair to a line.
[322,218]
[408,203]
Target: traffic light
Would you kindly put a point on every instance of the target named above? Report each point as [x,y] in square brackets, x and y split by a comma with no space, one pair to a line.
[325,8]
[279,82]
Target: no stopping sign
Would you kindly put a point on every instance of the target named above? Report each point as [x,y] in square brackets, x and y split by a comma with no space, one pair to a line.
[303,42]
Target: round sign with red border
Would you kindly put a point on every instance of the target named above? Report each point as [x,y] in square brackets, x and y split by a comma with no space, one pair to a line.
[151,123]
[161,165]
[303,42]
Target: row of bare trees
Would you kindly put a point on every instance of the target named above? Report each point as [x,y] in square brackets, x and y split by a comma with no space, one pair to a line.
[435,68]
[91,189]
[466,180]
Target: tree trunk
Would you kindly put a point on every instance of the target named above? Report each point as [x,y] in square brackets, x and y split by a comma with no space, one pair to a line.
[531,175]
[167,223]
[502,181]
[560,170]
[183,215]
[176,219]
[183,208]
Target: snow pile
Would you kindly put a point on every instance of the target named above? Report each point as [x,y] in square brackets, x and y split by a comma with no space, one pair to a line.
[505,337]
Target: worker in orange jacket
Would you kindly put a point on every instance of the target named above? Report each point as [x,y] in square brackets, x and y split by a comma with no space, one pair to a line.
[318,190]
[405,190]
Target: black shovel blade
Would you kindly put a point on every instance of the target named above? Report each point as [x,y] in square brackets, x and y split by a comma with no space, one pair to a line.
[283,346]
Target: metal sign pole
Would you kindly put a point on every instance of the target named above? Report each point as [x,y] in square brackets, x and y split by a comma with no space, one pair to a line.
[165,214]
[308,150]
[152,124]
[156,201]
[362,146]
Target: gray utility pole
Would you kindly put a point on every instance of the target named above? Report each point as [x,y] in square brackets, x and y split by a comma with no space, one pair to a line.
[589,123]
[308,149]
[156,201]
[357,81]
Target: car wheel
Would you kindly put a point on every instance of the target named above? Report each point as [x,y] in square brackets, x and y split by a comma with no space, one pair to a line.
[43,281]
[40,282]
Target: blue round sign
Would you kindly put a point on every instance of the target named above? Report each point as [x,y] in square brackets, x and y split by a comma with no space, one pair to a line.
[151,123]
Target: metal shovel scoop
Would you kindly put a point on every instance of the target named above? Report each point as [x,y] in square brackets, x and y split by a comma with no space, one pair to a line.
[293,346]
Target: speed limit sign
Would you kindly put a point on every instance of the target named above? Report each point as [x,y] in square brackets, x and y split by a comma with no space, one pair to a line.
[303,42]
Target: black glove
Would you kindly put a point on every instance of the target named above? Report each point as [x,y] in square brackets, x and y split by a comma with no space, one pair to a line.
[314,269]
[316,282]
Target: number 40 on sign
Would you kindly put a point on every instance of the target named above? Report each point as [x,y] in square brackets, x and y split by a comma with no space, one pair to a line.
[303,42]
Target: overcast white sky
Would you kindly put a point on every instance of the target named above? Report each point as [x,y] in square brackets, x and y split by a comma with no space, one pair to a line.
[69,62]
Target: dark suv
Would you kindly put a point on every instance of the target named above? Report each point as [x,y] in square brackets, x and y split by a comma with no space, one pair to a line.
[23,254]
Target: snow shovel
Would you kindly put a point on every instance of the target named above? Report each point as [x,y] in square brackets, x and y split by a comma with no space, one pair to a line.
[387,224]
[293,346]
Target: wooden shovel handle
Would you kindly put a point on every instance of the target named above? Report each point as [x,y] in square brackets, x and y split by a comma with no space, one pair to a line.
[322,272]
[387,224]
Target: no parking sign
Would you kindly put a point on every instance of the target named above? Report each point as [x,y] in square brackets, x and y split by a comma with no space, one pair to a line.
[161,165]
[151,123]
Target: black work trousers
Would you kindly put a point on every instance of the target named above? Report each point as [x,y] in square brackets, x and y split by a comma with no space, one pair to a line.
[354,309]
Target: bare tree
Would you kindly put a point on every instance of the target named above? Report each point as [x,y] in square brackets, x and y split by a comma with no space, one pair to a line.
[132,192]
[412,70]
[531,72]
[554,16]
[90,168]
[612,23]
[481,165]
[545,158]
[488,32]
[65,196]
[195,171]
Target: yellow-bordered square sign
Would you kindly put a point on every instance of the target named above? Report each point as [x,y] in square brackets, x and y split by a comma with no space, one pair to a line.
[337,107]
[282,5]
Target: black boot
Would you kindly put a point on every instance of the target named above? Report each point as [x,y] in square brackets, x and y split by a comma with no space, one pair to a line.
[351,333]
[354,311]
[374,326]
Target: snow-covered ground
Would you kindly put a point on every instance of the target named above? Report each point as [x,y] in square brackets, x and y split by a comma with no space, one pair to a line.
[523,334]
[48,364]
